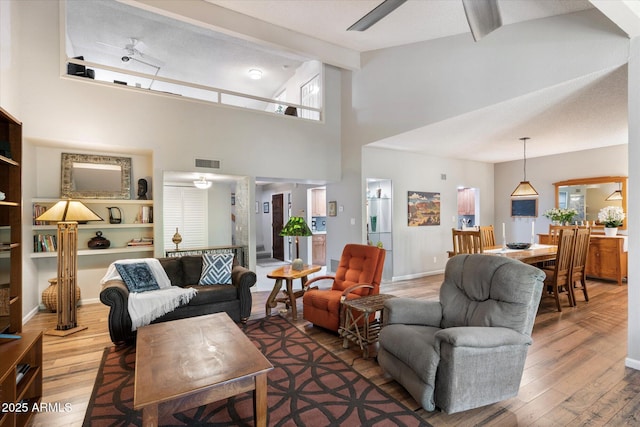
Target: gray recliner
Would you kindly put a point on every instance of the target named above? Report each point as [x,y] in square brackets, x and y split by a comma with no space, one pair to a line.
[468,349]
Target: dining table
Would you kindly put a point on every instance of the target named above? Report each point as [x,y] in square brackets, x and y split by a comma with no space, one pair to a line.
[535,254]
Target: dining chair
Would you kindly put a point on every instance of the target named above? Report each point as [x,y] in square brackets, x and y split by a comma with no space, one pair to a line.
[466,242]
[554,232]
[488,236]
[559,277]
[578,265]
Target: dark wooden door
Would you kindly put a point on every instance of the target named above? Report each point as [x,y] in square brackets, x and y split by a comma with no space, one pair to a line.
[277,216]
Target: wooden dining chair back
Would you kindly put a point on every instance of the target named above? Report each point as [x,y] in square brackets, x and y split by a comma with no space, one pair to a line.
[554,232]
[466,242]
[579,263]
[558,279]
[488,236]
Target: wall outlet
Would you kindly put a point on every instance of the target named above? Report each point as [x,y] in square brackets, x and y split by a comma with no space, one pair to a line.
[435,260]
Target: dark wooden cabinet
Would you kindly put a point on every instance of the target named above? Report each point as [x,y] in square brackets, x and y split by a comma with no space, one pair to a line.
[20,395]
[10,224]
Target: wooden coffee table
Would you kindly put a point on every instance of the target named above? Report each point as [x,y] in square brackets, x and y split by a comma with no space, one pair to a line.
[288,274]
[187,363]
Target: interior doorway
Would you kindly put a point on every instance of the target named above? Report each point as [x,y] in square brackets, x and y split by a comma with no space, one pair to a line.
[277,222]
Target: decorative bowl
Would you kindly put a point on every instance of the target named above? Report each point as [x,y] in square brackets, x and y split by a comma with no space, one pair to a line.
[518,245]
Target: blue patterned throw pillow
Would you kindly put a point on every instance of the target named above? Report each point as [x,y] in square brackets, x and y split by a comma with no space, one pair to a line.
[216,269]
[137,276]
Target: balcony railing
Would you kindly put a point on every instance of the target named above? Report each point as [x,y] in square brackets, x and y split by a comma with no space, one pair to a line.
[172,87]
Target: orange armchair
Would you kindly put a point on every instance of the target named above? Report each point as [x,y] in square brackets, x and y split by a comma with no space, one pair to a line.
[359,273]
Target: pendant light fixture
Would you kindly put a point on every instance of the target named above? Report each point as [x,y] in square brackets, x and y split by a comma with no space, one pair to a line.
[524,189]
[616,195]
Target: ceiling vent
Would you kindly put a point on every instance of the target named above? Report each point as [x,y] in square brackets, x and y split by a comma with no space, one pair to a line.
[208,163]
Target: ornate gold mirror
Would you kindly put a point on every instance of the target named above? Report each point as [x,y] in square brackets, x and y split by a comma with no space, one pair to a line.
[89,176]
[589,195]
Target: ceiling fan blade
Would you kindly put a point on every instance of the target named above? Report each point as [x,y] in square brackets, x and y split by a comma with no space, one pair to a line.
[156,61]
[380,11]
[483,16]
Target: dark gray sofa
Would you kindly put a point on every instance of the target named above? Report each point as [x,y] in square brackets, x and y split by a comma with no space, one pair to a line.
[234,299]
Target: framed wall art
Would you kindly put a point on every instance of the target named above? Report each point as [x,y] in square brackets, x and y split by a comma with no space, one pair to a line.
[527,208]
[332,208]
[265,207]
[423,208]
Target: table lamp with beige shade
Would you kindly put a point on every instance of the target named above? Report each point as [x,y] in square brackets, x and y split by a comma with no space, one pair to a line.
[67,213]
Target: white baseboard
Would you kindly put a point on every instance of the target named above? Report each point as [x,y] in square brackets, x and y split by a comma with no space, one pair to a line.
[29,315]
[416,275]
[632,363]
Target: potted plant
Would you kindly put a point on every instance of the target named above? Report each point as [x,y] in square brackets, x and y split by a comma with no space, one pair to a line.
[611,217]
[561,216]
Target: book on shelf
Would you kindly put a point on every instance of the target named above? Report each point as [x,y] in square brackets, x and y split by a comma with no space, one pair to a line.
[45,243]
[143,241]
[37,211]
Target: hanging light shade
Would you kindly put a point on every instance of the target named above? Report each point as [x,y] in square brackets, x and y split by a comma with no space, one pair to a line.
[202,183]
[524,189]
[616,195]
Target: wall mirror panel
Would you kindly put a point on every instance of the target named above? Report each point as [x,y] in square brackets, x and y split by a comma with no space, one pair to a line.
[589,195]
[89,176]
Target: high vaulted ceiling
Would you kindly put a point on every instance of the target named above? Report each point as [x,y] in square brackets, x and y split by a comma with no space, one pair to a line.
[585,113]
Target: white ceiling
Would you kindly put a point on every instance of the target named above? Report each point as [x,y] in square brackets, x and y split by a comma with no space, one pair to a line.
[414,21]
[586,113]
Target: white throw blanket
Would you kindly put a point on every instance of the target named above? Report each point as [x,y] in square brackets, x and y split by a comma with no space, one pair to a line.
[144,307]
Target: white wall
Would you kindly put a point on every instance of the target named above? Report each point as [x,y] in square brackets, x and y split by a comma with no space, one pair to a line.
[542,172]
[82,114]
[408,87]
[414,248]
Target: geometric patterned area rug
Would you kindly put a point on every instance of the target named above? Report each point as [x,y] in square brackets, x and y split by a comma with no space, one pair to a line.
[309,386]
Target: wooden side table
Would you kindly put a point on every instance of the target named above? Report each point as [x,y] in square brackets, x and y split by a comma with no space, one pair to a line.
[288,274]
[356,325]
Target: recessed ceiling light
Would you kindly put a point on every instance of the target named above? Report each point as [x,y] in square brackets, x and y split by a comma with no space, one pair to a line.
[255,74]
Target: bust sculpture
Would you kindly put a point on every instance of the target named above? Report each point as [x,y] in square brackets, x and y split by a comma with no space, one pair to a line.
[142,189]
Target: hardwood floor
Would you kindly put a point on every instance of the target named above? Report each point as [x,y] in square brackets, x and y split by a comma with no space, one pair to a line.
[574,374]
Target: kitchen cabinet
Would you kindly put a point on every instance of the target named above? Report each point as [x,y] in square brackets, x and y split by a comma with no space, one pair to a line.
[319,249]
[466,201]
[319,202]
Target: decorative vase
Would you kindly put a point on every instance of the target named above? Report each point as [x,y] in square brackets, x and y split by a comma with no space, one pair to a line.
[374,220]
[99,242]
[610,231]
[50,295]
[177,238]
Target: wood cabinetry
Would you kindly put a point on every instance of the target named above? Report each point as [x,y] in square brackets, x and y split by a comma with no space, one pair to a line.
[319,249]
[607,258]
[466,201]
[10,224]
[19,395]
[132,226]
[318,202]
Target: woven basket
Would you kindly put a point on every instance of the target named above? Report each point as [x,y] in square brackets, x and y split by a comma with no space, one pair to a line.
[50,295]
